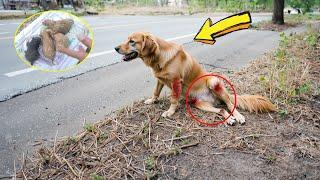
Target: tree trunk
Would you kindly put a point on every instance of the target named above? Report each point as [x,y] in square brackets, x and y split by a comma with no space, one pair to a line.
[277,17]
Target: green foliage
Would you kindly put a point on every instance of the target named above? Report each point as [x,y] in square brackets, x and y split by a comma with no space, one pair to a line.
[304,88]
[95,176]
[175,150]
[283,113]
[177,132]
[97,4]
[103,136]
[150,163]
[284,39]
[312,40]
[88,127]
[185,141]
[305,5]
[271,159]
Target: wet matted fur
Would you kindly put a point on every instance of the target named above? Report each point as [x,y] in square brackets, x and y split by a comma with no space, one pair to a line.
[48,46]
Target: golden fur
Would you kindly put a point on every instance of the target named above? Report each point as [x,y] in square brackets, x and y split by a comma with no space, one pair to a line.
[59,26]
[48,47]
[61,40]
[175,68]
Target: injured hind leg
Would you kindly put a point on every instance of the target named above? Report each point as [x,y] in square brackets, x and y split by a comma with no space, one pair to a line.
[207,106]
[220,91]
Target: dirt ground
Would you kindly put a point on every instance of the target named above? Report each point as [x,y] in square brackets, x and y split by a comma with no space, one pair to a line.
[138,143]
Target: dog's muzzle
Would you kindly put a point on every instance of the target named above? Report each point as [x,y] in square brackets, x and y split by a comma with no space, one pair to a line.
[127,57]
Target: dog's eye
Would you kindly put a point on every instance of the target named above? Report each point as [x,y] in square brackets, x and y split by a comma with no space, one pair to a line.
[132,42]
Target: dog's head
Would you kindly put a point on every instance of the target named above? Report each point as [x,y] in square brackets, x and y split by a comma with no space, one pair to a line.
[138,44]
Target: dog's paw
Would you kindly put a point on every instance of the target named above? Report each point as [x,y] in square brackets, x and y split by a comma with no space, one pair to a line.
[167,113]
[231,120]
[150,101]
[240,118]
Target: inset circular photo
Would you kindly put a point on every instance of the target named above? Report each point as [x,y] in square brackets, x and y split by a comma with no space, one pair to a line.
[53,41]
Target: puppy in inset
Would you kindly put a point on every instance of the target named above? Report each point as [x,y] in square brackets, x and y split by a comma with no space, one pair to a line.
[32,53]
[60,26]
[175,68]
[48,46]
[61,40]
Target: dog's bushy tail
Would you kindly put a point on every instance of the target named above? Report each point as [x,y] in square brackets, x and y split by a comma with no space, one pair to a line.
[253,103]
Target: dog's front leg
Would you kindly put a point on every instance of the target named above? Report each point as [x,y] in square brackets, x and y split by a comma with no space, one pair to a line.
[176,90]
[156,93]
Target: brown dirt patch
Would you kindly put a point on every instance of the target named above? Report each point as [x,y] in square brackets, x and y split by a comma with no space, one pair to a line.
[274,27]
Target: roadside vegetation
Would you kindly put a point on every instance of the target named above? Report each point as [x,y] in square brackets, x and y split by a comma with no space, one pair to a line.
[290,21]
[155,7]
[290,76]
[136,142]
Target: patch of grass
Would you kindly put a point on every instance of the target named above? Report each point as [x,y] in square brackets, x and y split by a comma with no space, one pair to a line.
[283,113]
[150,163]
[177,132]
[289,75]
[88,127]
[185,141]
[175,151]
[103,136]
[301,18]
[312,39]
[95,176]
[271,159]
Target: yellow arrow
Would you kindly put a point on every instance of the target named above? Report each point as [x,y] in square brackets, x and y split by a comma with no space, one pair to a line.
[208,32]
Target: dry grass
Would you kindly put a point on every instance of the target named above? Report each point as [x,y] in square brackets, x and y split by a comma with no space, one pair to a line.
[137,143]
[290,75]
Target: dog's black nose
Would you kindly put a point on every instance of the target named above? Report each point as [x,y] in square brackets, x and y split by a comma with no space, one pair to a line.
[117,48]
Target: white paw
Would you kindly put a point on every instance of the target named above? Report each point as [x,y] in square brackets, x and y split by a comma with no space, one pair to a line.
[167,113]
[240,118]
[150,101]
[231,120]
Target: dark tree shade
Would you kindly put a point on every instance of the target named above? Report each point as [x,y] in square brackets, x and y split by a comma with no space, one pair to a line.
[277,17]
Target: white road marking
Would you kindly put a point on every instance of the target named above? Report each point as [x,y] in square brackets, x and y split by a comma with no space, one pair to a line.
[9,37]
[125,25]
[92,55]
[4,33]
[16,73]
[180,37]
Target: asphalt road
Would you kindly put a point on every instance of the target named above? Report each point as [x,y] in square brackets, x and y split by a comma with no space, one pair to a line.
[17,78]
[89,92]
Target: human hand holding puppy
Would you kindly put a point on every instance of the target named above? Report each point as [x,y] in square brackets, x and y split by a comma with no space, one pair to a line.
[81,53]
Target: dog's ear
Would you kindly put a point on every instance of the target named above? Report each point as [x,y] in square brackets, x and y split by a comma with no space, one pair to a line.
[149,45]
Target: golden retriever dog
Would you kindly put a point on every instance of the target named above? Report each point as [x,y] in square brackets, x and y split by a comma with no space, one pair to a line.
[175,68]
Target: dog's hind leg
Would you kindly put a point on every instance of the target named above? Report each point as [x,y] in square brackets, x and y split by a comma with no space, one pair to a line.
[156,93]
[220,91]
[207,106]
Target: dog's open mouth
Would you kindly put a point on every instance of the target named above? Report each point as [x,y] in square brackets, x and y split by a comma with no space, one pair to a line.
[130,56]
